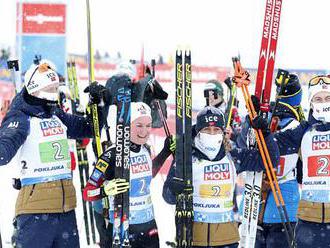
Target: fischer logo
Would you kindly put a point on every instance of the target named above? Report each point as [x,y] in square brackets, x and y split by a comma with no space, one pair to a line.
[217,172]
[321,142]
[139,164]
[188,91]
[40,18]
[52,127]
[179,89]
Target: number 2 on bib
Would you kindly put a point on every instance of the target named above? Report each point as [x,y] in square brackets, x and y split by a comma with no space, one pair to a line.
[318,166]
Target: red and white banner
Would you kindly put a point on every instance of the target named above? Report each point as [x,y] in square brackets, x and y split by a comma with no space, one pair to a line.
[164,73]
[43,18]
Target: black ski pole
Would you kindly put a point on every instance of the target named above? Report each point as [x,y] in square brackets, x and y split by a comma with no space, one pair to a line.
[160,111]
[13,66]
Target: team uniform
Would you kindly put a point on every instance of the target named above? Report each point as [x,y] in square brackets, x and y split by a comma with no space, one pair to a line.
[312,138]
[270,232]
[143,230]
[38,132]
[214,180]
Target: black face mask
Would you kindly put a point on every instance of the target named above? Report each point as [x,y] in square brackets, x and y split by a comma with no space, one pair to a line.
[46,104]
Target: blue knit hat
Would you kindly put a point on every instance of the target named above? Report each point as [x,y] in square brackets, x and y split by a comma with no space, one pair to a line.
[210,116]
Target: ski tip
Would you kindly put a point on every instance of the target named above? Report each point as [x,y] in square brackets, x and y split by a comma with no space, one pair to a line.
[178,51]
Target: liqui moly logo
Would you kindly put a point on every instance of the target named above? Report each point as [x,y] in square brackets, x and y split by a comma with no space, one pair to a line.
[52,127]
[321,142]
[43,18]
[217,172]
[139,164]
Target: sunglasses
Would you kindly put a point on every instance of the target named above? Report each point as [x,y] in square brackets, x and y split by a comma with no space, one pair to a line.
[319,80]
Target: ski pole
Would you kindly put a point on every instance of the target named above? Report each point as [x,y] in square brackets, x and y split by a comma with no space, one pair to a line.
[242,80]
[91,80]
[160,111]
[13,66]
[232,101]
[282,78]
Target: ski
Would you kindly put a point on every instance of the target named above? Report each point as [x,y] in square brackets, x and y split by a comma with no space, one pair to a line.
[121,202]
[184,202]
[83,165]
[189,216]
[262,91]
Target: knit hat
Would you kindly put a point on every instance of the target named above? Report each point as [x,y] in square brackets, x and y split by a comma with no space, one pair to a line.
[318,84]
[40,76]
[209,116]
[291,93]
[126,68]
[140,109]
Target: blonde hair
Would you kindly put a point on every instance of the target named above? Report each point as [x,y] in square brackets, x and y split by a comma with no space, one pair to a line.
[43,67]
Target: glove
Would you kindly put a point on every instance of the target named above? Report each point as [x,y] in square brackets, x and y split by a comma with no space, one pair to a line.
[115,186]
[98,93]
[177,186]
[261,123]
[228,82]
[170,144]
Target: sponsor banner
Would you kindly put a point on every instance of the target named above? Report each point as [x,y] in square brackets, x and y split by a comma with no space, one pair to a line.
[41,18]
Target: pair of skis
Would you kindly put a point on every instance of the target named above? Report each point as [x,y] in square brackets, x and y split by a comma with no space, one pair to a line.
[83,164]
[252,192]
[120,236]
[184,214]
[122,166]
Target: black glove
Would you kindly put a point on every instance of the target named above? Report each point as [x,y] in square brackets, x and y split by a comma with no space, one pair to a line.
[177,186]
[256,103]
[170,144]
[261,123]
[228,82]
[98,93]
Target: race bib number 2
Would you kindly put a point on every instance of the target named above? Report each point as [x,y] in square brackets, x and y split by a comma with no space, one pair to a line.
[215,191]
[318,166]
[54,151]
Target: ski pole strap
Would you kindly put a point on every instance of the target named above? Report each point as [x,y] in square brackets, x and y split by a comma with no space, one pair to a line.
[241,76]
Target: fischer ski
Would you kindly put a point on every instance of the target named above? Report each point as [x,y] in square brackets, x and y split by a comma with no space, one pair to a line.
[122,169]
[184,214]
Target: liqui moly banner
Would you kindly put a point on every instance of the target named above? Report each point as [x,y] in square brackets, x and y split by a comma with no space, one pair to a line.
[41,31]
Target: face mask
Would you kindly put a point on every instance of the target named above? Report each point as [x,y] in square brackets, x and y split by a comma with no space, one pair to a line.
[48,96]
[321,111]
[209,144]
